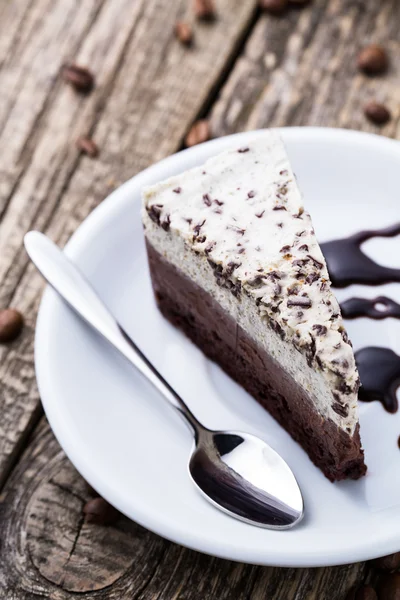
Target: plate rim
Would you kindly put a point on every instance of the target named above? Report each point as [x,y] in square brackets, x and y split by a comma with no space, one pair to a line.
[112,204]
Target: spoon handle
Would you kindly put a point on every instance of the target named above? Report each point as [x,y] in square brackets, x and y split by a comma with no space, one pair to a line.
[72,286]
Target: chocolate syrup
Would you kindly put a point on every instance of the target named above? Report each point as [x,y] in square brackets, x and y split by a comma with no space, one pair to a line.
[379,370]
[347,264]
[353,308]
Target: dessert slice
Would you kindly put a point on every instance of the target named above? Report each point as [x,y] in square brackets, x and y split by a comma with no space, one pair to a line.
[236,265]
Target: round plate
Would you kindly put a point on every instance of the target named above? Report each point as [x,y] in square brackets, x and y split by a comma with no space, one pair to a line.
[132,448]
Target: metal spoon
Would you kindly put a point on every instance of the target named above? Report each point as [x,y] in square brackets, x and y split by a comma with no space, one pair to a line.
[237,472]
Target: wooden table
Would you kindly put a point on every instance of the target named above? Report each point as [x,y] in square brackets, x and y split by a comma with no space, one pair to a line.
[246,70]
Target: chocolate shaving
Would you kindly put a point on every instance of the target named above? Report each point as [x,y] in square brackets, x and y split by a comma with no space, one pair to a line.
[340,409]
[243,150]
[177,190]
[218,202]
[259,215]
[154,212]
[320,329]
[207,200]
[300,262]
[284,172]
[299,301]
[231,267]
[285,248]
[316,262]
[312,277]
[251,194]
[237,229]
[166,223]
[209,247]
[279,207]
[242,250]
[197,228]
[304,247]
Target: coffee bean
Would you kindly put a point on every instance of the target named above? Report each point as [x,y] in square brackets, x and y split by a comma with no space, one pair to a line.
[373,60]
[366,592]
[100,512]
[275,7]
[87,146]
[80,78]
[200,132]
[204,10]
[377,113]
[387,563]
[389,587]
[11,323]
[184,33]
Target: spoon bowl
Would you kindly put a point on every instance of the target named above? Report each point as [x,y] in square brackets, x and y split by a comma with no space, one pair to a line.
[246,478]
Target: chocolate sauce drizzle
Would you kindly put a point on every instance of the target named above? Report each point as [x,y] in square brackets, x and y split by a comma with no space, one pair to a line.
[347,264]
[353,308]
[379,370]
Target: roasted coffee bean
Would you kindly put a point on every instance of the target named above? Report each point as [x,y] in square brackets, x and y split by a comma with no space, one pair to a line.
[388,563]
[87,146]
[184,33]
[373,60]
[275,7]
[377,113]
[199,133]
[389,587]
[80,78]
[100,512]
[11,323]
[204,9]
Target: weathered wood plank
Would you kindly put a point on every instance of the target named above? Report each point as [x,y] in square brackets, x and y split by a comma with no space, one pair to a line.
[49,551]
[301,69]
[148,90]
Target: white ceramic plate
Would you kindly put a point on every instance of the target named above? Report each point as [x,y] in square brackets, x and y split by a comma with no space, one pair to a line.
[128,443]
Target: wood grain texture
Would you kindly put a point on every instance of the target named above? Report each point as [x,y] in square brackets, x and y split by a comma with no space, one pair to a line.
[301,69]
[48,551]
[295,70]
[148,91]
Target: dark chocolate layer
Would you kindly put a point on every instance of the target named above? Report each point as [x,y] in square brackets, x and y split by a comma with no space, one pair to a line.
[206,323]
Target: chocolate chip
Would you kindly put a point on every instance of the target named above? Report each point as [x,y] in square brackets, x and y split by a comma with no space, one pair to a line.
[100,512]
[87,146]
[373,60]
[275,7]
[199,133]
[207,200]
[299,301]
[177,190]
[300,314]
[387,563]
[251,194]
[243,150]
[231,266]
[218,202]
[279,207]
[242,250]
[80,78]
[320,329]
[184,33]
[285,248]
[389,587]
[284,172]
[280,225]
[11,323]
[274,275]
[304,247]
[204,9]
[260,214]
[377,113]
[201,239]
[189,221]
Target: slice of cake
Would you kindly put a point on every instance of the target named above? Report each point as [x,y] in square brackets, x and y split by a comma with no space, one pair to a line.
[236,265]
